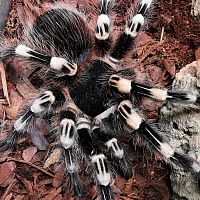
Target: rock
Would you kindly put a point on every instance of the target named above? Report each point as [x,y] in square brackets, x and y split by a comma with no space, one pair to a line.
[181,122]
[4,8]
[195,11]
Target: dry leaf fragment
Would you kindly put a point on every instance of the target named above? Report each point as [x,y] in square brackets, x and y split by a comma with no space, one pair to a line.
[7,173]
[54,157]
[29,153]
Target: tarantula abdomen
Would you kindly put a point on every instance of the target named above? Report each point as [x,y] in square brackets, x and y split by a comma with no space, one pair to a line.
[63,32]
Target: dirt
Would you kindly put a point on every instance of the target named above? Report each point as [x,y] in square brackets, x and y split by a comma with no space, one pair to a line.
[159,61]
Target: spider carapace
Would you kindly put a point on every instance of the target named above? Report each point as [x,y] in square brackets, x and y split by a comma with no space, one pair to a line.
[87,100]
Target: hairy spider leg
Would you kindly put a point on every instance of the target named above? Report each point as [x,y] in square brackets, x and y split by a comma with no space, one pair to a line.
[126,86]
[46,102]
[117,152]
[102,31]
[126,39]
[156,140]
[57,64]
[68,139]
[165,94]
[97,158]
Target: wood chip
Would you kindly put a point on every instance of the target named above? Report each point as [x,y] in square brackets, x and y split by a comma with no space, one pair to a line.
[4,82]
[7,172]
[29,153]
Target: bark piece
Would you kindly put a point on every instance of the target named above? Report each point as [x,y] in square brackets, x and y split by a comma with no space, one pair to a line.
[7,173]
[4,82]
[29,153]
[53,158]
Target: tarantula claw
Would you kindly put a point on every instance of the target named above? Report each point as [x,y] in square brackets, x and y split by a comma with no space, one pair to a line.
[63,66]
[102,29]
[67,133]
[134,25]
[117,150]
[132,119]
[123,85]
[144,6]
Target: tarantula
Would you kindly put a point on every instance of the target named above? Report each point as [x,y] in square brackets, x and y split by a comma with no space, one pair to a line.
[89,105]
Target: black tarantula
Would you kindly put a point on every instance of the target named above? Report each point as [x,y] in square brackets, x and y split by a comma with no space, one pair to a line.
[89,106]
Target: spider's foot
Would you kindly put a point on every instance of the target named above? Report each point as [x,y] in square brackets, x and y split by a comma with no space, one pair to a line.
[123,85]
[103,176]
[43,102]
[132,119]
[103,26]
[118,155]
[144,6]
[102,31]
[134,25]
[126,40]
[63,67]
[67,129]
[164,94]
[67,133]
[40,106]
[155,139]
